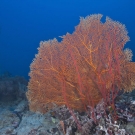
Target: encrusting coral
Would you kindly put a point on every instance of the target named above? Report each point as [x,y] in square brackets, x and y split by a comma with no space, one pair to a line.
[83,68]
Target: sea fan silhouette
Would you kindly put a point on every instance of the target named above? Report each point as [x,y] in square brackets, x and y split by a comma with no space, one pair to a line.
[83,68]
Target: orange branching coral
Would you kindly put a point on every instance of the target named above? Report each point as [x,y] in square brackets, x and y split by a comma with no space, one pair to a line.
[83,68]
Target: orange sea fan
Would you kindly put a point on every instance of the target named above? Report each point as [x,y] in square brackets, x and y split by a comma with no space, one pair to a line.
[81,69]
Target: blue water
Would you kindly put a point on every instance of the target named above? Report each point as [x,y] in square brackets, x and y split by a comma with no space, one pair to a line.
[24,23]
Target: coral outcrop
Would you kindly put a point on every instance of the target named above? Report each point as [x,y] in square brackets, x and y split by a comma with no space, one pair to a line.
[12,88]
[86,66]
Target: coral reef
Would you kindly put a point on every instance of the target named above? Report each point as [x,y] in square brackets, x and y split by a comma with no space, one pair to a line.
[36,124]
[12,88]
[17,119]
[105,121]
[85,67]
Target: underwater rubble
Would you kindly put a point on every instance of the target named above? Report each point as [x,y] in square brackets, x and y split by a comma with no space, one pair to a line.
[16,119]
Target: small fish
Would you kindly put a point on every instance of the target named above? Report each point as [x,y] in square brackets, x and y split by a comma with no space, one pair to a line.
[53,120]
